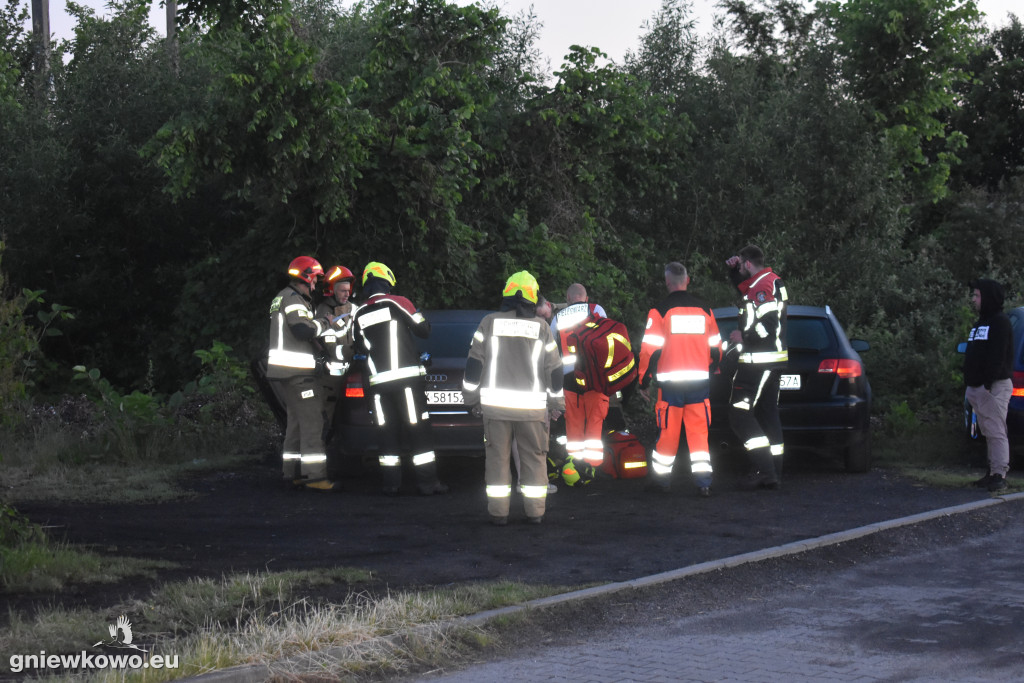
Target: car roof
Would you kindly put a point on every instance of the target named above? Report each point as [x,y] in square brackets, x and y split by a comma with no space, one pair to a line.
[456,315]
[794,310]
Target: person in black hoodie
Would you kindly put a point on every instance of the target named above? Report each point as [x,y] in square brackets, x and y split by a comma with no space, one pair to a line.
[988,365]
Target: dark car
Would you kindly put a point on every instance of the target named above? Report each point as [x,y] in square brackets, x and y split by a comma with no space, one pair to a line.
[1015,413]
[825,396]
[446,349]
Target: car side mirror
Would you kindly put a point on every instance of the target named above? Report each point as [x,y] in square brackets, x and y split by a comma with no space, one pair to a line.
[859,345]
[961,347]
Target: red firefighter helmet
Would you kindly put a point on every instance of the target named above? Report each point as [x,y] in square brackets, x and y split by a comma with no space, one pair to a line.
[334,275]
[305,268]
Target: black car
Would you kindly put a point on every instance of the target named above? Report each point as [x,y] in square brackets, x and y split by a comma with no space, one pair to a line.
[1015,412]
[825,397]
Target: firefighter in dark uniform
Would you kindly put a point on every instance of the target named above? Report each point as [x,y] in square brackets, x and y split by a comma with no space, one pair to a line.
[383,328]
[760,346]
[681,344]
[513,376]
[292,362]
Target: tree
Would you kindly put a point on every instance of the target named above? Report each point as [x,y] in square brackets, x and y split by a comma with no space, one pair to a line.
[904,60]
[991,112]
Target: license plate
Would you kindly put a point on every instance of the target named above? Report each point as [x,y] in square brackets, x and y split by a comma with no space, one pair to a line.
[435,398]
[789,382]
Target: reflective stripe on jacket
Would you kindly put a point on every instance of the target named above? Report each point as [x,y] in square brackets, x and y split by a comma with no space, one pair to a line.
[292,331]
[762,319]
[383,329]
[513,370]
[681,341]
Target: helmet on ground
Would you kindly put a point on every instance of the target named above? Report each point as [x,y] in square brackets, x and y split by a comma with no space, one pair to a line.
[577,473]
[524,283]
[378,270]
[334,275]
[305,268]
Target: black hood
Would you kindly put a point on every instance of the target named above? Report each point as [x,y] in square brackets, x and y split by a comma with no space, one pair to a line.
[522,307]
[375,285]
[992,296]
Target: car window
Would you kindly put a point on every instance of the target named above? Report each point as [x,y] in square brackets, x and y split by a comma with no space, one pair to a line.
[448,338]
[812,334]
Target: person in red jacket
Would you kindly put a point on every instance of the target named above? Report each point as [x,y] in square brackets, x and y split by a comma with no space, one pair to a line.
[681,344]
[760,342]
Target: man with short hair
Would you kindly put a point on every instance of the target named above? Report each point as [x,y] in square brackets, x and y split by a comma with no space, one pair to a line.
[760,342]
[585,408]
[988,368]
[680,346]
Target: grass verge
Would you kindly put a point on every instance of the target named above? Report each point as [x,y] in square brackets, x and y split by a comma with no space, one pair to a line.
[272,620]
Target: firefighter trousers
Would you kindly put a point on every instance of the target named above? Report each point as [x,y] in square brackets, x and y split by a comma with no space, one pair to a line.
[532,442]
[404,428]
[303,455]
[754,416]
[584,425]
[677,413]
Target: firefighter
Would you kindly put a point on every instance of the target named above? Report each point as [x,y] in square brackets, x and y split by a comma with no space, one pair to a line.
[585,409]
[337,308]
[513,376]
[680,347]
[292,362]
[383,330]
[760,344]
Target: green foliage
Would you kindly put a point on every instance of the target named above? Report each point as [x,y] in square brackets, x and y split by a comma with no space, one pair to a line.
[904,61]
[900,420]
[21,338]
[160,197]
[991,111]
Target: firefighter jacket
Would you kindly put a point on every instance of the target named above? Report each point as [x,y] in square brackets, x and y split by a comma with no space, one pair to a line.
[563,324]
[383,330]
[293,335]
[338,339]
[762,320]
[513,370]
[681,343]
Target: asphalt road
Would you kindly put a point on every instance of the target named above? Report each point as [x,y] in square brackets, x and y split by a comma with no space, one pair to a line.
[937,601]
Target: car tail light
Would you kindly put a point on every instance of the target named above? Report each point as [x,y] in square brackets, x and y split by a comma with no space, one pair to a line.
[354,388]
[1018,384]
[845,368]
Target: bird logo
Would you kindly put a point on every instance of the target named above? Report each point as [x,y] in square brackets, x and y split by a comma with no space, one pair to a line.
[120,634]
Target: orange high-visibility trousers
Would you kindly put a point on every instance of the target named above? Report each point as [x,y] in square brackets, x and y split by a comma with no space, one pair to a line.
[584,425]
[694,418]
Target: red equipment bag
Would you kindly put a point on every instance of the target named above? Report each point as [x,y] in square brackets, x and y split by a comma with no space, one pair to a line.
[624,456]
[604,356]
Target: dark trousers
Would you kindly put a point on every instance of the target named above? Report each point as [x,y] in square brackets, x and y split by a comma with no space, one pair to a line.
[404,429]
[754,416]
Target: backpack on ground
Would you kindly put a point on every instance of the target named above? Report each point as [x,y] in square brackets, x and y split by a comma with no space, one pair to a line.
[624,455]
[604,357]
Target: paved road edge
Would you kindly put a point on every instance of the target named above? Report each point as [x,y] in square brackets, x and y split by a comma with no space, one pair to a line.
[252,673]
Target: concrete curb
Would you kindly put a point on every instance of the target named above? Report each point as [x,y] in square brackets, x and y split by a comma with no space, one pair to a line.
[745,558]
[260,672]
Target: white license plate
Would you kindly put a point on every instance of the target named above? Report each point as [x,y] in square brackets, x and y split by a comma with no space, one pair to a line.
[435,398]
[789,382]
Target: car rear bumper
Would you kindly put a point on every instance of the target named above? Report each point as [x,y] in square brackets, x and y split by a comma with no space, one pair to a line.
[825,426]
